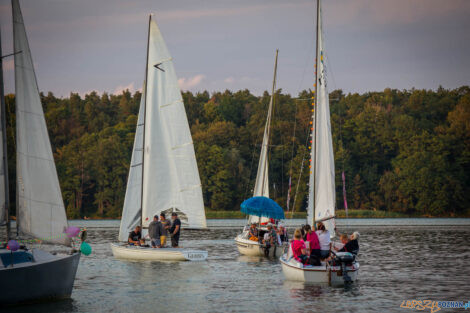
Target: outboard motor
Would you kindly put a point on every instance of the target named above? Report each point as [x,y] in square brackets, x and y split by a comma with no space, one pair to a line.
[343,259]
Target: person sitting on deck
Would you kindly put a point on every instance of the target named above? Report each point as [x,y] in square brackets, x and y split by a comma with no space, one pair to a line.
[324,239]
[253,233]
[350,243]
[299,251]
[134,237]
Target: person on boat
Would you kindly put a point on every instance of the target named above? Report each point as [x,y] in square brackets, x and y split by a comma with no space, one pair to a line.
[135,236]
[253,233]
[166,224]
[155,232]
[350,243]
[175,230]
[269,239]
[324,239]
[283,233]
[314,242]
[277,239]
[299,250]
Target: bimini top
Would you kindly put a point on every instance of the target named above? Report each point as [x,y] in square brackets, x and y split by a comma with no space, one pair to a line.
[262,206]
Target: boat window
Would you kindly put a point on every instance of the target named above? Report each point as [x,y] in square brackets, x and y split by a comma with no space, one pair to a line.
[17,258]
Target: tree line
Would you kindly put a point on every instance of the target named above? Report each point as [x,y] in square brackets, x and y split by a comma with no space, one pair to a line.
[401,150]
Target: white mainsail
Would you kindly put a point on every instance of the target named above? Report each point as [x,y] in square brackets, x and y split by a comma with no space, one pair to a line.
[262,176]
[322,174]
[132,210]
[40,206]
[170,175]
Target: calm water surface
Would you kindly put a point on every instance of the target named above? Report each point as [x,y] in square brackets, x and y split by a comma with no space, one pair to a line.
[399,261]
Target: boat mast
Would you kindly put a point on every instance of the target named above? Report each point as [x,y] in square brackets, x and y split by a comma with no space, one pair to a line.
[315,118]
[268,122]
[145,124]
[4,144]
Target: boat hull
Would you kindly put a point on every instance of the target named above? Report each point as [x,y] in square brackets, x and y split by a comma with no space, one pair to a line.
[324,274]
[151,254]
[40,280]
[253,248]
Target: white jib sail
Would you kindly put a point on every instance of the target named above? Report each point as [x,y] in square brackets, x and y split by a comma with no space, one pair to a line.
[132,210]
[322,175]
[262,176]
[41,210]
[170,174]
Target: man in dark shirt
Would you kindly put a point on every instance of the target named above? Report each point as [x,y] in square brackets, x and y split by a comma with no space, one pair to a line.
[135,236]
[155,231]
[175,230]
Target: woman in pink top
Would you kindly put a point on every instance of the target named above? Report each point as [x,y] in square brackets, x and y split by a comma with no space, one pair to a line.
[298,247]
[314,243]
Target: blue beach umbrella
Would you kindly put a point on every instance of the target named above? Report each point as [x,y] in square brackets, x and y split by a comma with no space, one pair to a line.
[262,206]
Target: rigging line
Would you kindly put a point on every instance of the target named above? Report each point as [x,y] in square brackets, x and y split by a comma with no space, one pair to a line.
[251,167]
[300,174]
[293,145]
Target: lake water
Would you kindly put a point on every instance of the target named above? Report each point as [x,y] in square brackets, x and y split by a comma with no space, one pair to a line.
[401,259]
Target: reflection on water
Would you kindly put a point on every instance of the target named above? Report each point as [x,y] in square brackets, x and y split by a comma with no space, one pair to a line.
[397,263]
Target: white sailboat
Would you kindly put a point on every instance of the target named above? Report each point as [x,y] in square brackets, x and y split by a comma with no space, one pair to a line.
[163,175]
[321,201]
[244,244]
[32,275]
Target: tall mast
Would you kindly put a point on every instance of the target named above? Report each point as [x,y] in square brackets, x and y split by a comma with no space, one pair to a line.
[4,143]
[144,126]
[314,160]
[268,122]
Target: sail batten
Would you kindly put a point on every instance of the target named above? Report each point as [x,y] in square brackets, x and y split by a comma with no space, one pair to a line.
[322,195]
[171,179]
[41,211]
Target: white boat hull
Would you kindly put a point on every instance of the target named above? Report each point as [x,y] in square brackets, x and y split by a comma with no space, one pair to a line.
[152,254]
[324,274]
[254,248]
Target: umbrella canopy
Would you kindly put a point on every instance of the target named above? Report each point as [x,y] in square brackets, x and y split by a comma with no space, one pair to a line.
[262,206]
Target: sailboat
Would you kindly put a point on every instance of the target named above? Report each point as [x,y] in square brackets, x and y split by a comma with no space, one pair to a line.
[163,174]
[321,201]
[244,244]
[32,275]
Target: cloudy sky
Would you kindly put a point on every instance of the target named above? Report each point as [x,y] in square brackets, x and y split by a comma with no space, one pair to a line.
[85,45]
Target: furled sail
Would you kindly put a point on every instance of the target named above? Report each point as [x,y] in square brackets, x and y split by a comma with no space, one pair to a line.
[262,176]
[322,175]
[170,175]
[40,206]
[132,211]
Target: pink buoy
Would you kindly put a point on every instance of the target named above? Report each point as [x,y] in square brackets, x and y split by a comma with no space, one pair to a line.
[72,231]
[13,245]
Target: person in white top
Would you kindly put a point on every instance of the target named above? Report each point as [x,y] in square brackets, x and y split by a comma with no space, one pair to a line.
[324,239]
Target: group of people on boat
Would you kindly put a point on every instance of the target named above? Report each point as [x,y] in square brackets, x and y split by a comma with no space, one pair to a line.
[311,247]
[158,231]
[275,234]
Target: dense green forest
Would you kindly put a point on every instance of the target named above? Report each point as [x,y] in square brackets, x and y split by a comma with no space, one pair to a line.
[403,151]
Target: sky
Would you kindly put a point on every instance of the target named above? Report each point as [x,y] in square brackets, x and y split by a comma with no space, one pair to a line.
[100,45]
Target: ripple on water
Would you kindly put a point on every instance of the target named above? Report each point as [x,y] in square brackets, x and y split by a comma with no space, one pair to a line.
[397,263]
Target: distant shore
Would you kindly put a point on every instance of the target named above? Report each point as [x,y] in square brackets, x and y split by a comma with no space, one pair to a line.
[340,214]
